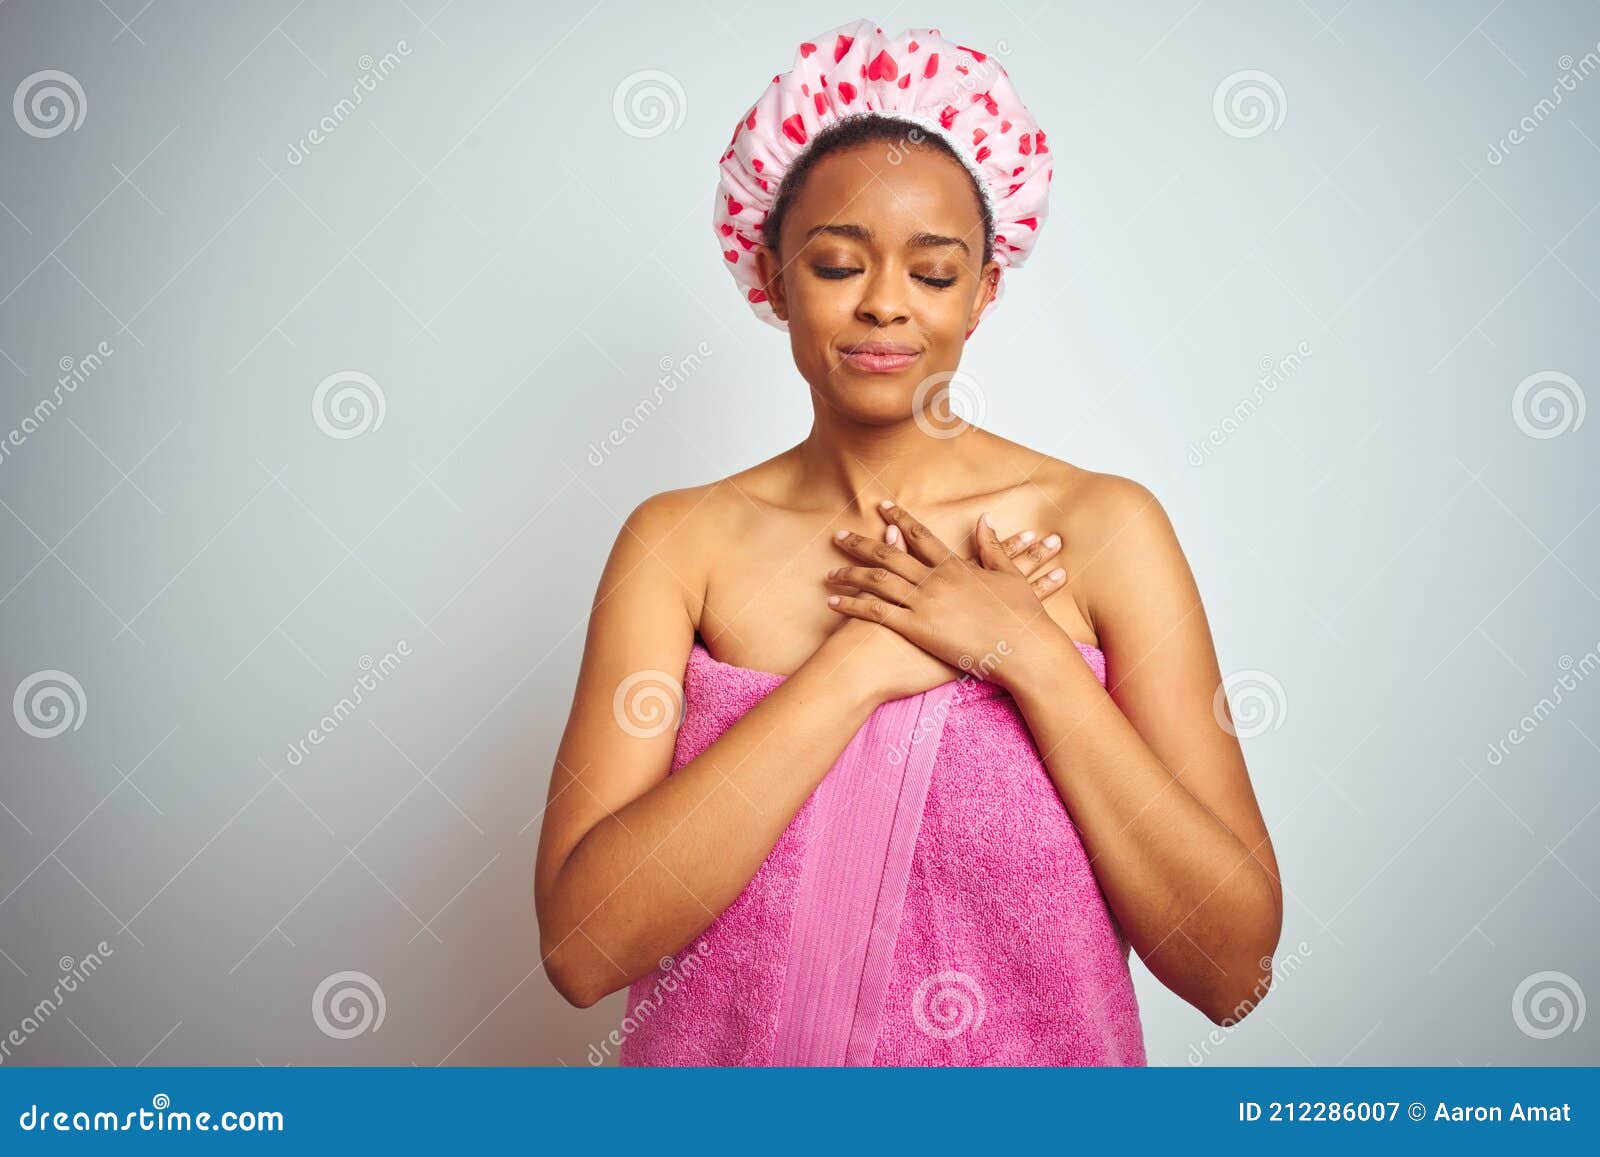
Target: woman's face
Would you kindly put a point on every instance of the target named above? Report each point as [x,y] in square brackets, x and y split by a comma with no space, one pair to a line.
[881,275]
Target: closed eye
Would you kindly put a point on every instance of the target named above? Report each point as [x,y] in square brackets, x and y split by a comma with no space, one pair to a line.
[839,272]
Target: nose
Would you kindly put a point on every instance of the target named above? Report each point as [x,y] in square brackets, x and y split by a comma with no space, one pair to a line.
[882,302]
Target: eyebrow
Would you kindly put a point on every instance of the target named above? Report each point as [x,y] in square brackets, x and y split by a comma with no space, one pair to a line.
[917,241]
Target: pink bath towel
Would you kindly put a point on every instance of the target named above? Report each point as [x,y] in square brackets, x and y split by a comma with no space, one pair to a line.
[930,904]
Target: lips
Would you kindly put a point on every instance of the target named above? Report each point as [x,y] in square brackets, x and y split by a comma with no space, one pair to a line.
[880,357]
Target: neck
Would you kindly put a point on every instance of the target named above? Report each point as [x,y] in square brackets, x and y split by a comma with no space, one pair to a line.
[852,466]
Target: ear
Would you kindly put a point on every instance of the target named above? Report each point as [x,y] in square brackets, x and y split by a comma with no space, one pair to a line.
[988,285]
[771,274]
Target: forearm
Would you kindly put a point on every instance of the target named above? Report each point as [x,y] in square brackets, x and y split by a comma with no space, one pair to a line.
[1192,899]
[650,877]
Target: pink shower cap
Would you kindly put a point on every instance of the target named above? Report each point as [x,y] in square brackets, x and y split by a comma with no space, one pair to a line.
[958,93]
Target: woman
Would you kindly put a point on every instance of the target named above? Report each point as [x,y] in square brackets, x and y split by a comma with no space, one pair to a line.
[927,790]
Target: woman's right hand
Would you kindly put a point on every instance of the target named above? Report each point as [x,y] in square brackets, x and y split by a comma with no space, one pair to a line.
[888,665]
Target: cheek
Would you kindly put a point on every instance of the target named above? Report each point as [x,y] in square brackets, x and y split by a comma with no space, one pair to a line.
[816,301]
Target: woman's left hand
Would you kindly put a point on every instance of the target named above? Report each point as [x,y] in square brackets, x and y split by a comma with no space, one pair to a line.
[974,614]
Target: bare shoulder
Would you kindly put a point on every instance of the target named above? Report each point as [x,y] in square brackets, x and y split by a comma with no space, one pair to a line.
[680,530]
[1119,543]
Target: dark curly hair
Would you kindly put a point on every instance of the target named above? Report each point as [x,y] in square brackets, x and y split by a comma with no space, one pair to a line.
[863,129]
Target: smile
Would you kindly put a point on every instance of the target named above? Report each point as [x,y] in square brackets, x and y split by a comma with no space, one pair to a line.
[880,357]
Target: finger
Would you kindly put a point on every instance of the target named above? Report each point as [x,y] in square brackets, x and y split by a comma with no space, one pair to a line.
[869,608]
[876,580]
[884,554]
[990,552]
[1017,543]
[919,540]
[1031,557]
[1049,583]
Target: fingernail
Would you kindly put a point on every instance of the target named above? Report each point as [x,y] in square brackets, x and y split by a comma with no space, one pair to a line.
[833,600]
[892,534]
[1056,575]
[886,504]
[839,534]
[984,518]
[1053,541]
[1027,537]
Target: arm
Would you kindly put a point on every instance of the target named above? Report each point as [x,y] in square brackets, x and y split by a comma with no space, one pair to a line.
[634,863]
[1156,786]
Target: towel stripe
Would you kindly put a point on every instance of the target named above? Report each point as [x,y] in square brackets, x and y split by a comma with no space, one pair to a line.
[852,889]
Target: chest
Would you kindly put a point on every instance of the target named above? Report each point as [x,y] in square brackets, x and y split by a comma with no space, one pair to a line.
[765,604]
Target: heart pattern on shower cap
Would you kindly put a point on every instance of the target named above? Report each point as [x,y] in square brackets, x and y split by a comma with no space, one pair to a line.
[956,92]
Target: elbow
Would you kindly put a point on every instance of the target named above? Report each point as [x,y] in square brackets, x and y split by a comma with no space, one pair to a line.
[575,965]
[1245,988]
[578,996]
[1248,981]
[569,978]
[563,967]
